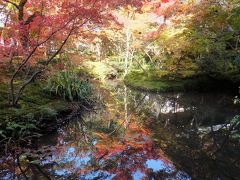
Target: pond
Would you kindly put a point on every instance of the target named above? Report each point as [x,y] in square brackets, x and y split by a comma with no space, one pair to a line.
[137,135]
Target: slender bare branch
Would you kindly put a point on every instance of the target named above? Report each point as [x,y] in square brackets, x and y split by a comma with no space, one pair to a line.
[19,92]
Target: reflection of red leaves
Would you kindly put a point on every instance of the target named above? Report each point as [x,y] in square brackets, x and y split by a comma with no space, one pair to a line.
[111,147]
[101,153]
[131,153]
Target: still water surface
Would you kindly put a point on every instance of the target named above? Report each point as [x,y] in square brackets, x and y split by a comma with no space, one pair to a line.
[137,135]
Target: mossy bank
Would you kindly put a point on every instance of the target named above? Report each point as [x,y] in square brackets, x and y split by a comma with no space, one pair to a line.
[149,81]
[37,113]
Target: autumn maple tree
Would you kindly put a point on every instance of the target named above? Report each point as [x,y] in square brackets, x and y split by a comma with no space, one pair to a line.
[36,30]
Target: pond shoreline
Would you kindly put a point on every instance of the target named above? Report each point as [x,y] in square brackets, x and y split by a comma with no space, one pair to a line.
[199,83]
[51,122]
[38,114]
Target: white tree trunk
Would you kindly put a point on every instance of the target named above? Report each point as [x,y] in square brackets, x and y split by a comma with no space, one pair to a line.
[127,51]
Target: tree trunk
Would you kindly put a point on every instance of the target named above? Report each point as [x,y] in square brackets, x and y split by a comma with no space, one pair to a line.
[14,99]
[127,51]
[24,34]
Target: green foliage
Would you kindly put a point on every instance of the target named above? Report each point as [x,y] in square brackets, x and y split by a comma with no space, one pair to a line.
[67,85]
[37,112]
[236,123]
[204,39]
[234,17]
[103,70]
[15,127]
[22,128]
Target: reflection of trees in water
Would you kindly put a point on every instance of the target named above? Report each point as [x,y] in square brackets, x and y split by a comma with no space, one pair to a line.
[188,125]
[140,127]
[106,158]
[210,155]
[193,109]
[126,118]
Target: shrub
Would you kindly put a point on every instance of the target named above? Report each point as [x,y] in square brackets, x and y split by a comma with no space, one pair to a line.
[236,130]
[67,84]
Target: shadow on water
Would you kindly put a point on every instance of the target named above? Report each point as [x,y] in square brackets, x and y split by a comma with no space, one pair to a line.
[137,135]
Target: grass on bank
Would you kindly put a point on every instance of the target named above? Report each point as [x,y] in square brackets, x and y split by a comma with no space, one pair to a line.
[45,103]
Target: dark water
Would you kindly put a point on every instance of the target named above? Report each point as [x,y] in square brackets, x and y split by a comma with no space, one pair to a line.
[137,135]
